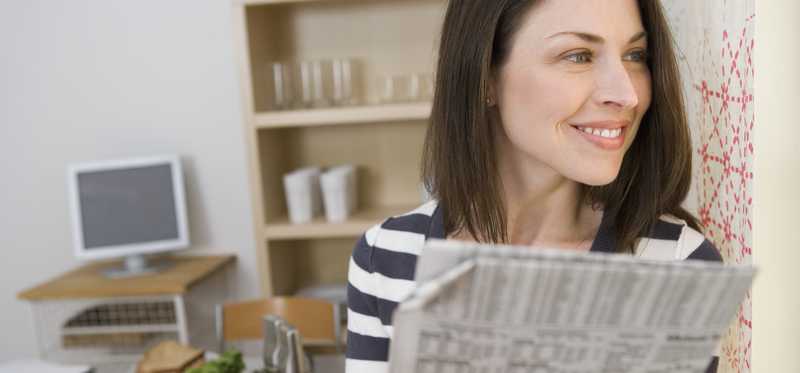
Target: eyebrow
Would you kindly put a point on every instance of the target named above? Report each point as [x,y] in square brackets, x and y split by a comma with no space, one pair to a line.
[595,38]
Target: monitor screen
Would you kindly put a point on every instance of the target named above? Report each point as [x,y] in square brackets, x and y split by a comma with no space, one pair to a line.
[127,206]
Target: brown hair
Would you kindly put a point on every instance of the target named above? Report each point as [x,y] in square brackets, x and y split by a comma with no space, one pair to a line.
[459,163]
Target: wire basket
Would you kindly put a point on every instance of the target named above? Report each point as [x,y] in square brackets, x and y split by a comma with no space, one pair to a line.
[120,329]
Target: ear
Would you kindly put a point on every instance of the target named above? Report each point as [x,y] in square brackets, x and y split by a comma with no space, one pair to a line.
[491,91]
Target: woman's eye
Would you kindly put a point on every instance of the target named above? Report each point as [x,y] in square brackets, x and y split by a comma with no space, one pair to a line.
[582,57]
[639,56]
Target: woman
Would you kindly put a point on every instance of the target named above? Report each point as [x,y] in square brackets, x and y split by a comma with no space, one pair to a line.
[554,124]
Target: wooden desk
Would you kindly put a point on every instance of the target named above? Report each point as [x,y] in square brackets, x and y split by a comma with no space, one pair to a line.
[89,282]
[83,316]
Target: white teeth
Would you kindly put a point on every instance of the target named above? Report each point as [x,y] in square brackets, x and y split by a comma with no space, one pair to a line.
[610,134]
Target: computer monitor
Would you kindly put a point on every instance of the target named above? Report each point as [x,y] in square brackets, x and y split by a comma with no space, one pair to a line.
[128,208]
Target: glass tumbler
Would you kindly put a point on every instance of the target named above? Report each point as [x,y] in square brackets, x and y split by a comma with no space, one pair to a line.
[282,95]
[395,88]
[321,80]
[305,85]
[342,74]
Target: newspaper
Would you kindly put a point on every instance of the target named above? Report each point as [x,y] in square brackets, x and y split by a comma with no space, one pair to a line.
[480,308]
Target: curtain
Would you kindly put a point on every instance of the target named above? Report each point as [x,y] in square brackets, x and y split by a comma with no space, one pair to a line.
[715,44]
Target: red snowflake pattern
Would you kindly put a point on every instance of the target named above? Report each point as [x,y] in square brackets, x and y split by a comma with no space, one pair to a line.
[725,117]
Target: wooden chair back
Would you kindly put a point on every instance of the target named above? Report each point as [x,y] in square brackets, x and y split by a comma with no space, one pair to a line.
[317,320]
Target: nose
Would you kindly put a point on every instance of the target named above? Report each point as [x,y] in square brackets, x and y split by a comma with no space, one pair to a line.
[615,86]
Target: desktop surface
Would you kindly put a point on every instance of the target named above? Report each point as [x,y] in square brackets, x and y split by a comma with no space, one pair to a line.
[89,281]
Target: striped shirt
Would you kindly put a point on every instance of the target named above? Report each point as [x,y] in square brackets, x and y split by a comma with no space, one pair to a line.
[382,266]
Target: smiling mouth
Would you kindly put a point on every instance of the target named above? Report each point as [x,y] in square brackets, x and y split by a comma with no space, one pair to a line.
[606,139]
[605,133]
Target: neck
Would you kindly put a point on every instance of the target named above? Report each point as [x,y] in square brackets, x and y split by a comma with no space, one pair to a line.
[544,208]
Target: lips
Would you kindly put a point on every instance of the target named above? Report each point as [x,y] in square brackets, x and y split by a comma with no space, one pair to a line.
[605,143]
[606,133]
[605,124]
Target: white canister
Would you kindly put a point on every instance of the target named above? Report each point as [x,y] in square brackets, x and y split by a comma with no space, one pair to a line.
[303,196]
[339,192]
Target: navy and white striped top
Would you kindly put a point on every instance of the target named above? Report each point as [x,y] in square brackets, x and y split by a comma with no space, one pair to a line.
[381,272]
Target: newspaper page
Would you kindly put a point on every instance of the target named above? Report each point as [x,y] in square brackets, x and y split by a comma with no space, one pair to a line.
[480,308]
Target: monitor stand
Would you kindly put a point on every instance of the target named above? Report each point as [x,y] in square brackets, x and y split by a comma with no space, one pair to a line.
[136,265]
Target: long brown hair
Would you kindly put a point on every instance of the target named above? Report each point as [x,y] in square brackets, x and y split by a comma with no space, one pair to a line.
[459,162]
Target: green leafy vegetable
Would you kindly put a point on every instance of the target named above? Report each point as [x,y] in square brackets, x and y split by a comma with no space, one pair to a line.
[229,362]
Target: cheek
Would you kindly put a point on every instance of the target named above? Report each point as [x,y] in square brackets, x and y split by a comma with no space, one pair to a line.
[539,101]
[644,90]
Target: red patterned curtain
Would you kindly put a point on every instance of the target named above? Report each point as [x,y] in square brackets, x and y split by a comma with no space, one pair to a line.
[715,50]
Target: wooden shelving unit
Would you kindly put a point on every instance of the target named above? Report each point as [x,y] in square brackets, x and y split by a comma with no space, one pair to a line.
[384,141]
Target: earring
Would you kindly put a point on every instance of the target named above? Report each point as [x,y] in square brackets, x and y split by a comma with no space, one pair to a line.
[489,101]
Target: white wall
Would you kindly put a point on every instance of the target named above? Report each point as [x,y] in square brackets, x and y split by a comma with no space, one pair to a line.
[776,229]
[95,79]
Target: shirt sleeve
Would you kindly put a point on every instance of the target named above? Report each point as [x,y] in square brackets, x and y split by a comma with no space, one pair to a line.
[693,245]
[706,251]
[712,366]
[367,338]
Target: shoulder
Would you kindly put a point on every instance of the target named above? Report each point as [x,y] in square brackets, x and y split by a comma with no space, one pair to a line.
[694,245]
[392,246]
[672,238]
[417,221]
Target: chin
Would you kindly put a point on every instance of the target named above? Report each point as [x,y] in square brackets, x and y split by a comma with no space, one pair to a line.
[598,177]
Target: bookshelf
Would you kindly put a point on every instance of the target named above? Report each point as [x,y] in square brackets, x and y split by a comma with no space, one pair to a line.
[383,140]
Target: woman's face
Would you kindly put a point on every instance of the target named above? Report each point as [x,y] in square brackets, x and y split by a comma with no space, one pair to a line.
[575,66]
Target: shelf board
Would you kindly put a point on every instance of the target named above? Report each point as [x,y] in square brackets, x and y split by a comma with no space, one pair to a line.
[358,223]
[343,115]
[266,2]
[114,329]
